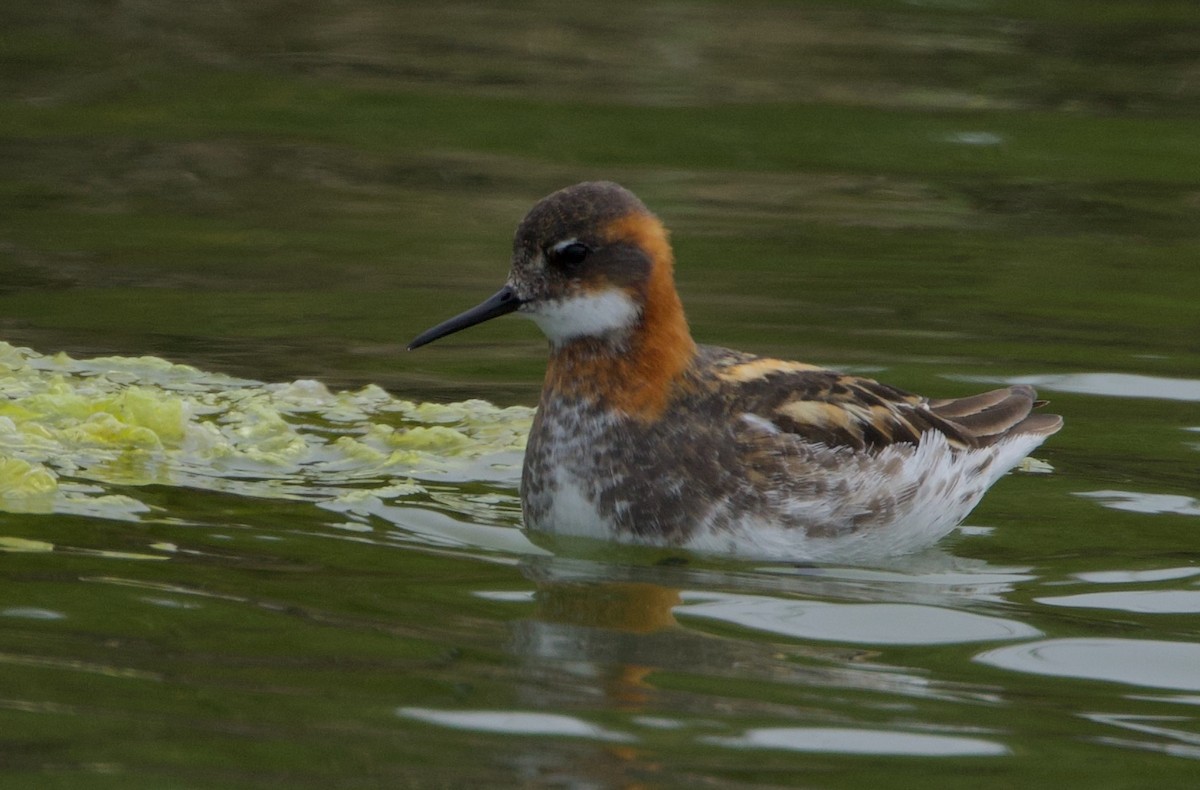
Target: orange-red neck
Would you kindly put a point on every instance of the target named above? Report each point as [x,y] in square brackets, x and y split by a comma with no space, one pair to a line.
[639,377]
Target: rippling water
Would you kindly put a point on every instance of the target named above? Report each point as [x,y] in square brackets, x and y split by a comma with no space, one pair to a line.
[247,541]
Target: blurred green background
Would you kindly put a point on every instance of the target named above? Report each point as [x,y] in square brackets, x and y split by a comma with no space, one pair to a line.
[283,189]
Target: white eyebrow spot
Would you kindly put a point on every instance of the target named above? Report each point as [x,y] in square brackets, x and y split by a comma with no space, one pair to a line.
[562,245]
[585,315]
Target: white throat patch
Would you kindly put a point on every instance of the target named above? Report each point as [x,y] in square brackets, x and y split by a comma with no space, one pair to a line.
[587,315]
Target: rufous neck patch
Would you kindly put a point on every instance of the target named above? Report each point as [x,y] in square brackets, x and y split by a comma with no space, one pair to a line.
[638,378]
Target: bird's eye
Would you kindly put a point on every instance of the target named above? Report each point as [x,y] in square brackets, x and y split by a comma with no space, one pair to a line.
[569,254]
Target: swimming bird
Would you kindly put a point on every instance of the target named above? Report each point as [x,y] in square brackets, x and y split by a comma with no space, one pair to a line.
[643,436]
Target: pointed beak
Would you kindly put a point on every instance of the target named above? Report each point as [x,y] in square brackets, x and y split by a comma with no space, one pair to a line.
[503,301]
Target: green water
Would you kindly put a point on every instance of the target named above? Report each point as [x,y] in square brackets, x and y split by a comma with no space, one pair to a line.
[212,581]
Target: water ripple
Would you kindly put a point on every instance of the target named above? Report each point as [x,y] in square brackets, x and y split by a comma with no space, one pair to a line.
[1135,662]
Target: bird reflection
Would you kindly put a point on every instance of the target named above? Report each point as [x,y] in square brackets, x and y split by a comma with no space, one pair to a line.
[603,639]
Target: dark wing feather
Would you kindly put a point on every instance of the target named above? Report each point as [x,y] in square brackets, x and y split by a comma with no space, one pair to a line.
[840,410]
[851,411]
[999,413]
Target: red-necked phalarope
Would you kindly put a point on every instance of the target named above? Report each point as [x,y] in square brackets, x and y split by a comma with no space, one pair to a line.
[643,436]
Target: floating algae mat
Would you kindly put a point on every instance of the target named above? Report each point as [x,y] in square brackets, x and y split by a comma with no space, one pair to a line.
[71,430]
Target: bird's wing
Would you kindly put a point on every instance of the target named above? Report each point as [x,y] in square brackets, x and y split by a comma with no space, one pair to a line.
[841,410]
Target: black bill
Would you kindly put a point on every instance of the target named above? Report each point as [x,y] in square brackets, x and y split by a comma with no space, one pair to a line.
[500,303]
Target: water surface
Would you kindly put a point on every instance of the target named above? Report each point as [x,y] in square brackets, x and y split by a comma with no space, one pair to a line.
[247,540]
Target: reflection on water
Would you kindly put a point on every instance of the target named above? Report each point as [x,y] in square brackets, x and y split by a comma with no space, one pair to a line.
[1136,502]
[1176,741]
[1148,601]
[31,613]
[1125,577]
[1119,385]
[514,723]
[1135,662]
[621,637]
[858,741]
[890,624]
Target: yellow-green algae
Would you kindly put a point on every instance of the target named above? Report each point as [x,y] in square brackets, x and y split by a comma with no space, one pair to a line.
[71,429]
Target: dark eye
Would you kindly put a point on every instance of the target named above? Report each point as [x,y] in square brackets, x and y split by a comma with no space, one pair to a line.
[570,254]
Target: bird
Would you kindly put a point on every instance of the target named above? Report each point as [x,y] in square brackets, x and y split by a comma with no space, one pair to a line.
[643,436]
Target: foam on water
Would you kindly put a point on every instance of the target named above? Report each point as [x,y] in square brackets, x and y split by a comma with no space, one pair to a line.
[71,429]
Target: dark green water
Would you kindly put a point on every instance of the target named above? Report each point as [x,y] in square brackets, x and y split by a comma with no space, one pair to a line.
[941,194]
